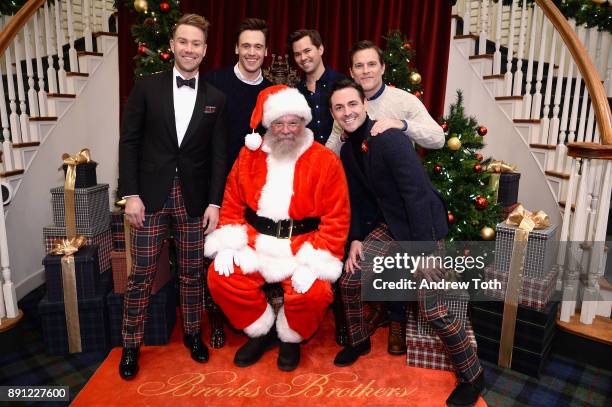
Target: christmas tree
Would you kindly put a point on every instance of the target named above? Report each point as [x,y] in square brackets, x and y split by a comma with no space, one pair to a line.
[457,171]
[152,34]
[399,71]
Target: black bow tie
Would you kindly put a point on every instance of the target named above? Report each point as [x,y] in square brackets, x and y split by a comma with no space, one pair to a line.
[187,82]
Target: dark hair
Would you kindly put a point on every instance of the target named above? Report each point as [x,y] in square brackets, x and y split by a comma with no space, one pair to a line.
[252,24]
[362,45]
[346,83]
[194,20]
[297,35]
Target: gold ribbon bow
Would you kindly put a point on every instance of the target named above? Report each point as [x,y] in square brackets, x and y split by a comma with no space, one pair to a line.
[82,157]
[525,221]
[67,248]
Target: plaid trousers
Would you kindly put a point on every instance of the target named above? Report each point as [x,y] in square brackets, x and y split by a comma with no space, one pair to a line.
[146,248]
[431,306]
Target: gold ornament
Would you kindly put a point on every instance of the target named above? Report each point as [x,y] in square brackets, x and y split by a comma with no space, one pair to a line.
[454,143]
[487,233]
[415,78]
[141,6]
[599,1]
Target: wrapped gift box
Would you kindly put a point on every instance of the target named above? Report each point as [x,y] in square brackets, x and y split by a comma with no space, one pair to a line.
[507,194]
[159,321]
[116,219]
[541,250]
[427,351]
[456,302]
[535,292]
[85,174]
[162,275]
[93,323]
[103,240]
[91,208]
[534,330]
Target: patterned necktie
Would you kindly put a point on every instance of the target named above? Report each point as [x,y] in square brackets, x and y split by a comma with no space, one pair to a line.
[186,82]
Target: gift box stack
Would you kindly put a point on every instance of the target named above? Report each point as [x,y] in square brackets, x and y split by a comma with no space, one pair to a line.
[536,313]
[505,180]
[424,347]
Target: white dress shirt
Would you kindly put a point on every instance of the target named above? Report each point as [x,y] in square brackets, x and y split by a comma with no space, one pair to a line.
[184,102]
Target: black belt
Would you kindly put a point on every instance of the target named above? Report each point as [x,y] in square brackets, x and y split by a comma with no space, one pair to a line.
[283,229]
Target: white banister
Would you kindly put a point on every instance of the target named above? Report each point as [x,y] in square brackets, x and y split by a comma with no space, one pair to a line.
[498,30]
[23,116]
[508,75]
[467,21]
[545,122]
[51,73]
[518,75]
[42,95]
[529,78]
[482,39]
[105,15]
[32,96]
[60,40]
[13,116]
[86,10]
[7,149]
[72,54]
[537,97]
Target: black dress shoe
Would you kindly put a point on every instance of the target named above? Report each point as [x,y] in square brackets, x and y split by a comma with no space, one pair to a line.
[128,366]
[341,335]
[217,333]
[253,350]
[350,354]
[199,351]
[467,394]
[288,356]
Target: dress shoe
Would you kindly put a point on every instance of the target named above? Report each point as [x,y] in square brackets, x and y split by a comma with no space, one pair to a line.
[253,350]
[397,338]
[377,318]
[349,354]
[341,334]
[199,351]
[217,334]
[467,394]
[128,366]
[288,356]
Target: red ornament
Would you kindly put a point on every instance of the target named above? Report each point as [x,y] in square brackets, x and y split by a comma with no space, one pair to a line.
[444,127]
[164,6]
[164,56]
[478,156]
[149,21]
[477,167]
[364,146]
[142,49]
[482,131]
[451,217]
[437,168]
[407,46]
[481,202]
[418,94]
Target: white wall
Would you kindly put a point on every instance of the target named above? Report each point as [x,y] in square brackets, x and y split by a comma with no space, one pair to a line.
[92,121]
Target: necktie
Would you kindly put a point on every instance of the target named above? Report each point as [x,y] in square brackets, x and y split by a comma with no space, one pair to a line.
[187,82]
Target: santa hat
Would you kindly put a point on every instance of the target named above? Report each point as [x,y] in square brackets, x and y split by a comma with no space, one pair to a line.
[272,103]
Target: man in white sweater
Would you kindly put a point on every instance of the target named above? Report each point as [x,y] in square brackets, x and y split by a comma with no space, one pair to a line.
[390,107]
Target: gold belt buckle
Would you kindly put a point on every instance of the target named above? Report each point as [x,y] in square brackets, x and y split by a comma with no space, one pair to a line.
[279,228]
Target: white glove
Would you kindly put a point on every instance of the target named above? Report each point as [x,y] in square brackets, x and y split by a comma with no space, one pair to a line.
[302,279]
[224,262]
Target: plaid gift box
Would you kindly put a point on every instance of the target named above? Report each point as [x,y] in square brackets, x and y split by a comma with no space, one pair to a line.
[456,301]
[116,220]
[85,174]
[103,240]
[92,321]
[162,275]
[534,330]
[91,208]
[541,249]
[535,292]
[507,194]
[427,351]
[87,274]
[159,321]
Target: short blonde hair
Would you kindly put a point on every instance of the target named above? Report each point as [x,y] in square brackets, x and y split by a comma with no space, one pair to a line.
[194,20]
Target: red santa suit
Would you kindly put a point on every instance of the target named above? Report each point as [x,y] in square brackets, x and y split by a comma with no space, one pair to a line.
[311,184]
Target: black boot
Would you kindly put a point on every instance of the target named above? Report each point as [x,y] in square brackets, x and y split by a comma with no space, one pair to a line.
[288,356]
[128,366]
[217,334]
[349,354]
[340,322]
[253,350]
[199,351]
[467,394]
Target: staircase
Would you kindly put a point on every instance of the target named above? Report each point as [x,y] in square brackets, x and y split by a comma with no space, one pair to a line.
[543,87]
[59,93]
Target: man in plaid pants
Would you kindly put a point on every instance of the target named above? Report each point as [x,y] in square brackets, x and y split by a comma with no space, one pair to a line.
[392,199]
[172,169]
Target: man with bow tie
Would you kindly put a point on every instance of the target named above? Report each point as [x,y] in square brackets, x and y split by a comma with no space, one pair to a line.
[172,170]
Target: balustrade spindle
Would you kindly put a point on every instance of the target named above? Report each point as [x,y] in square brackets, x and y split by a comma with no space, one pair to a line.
[105,15]
[508,75]
[72,54]
[32,97]
[60,40]
[7,148]
[24,121]
[529,77]
[467,21]
[42,95]
[518,75]
[536,107]
[482,39]
[545,121]
[51,73]
[86,11]
[13,116]
[498,30]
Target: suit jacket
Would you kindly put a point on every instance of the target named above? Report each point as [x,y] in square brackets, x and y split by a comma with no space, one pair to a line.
[393,184]
[149,154]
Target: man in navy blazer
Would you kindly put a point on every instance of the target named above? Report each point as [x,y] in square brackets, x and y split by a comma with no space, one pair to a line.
[392,199]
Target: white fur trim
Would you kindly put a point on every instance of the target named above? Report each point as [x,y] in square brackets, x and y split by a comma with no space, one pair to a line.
[262,325]
[226,237]
[277,192]
[285,333]
[276,261]
[248,260]
[287,101]
[252,141]
[321,262]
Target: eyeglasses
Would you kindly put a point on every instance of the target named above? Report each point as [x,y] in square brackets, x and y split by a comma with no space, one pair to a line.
[292,125]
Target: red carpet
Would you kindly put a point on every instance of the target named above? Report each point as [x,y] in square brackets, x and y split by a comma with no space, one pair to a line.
[169,377]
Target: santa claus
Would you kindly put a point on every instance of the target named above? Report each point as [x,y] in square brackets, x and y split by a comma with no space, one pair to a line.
[284,219]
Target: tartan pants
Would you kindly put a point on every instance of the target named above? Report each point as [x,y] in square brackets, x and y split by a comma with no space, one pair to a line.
[431,306]
[146,248]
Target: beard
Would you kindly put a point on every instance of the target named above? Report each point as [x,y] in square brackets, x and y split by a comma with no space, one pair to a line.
[284,145]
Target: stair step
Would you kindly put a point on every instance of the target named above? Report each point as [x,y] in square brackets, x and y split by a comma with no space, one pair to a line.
[61,95]
[481,56]
[557,174]
[461,37]
[7,174]
[85,53]
[43,119]
[562,204]
[543,146]
[600,330]
[81,74]
[508,98]
[500,76]
[29,144]
[527,121]
[105,33]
